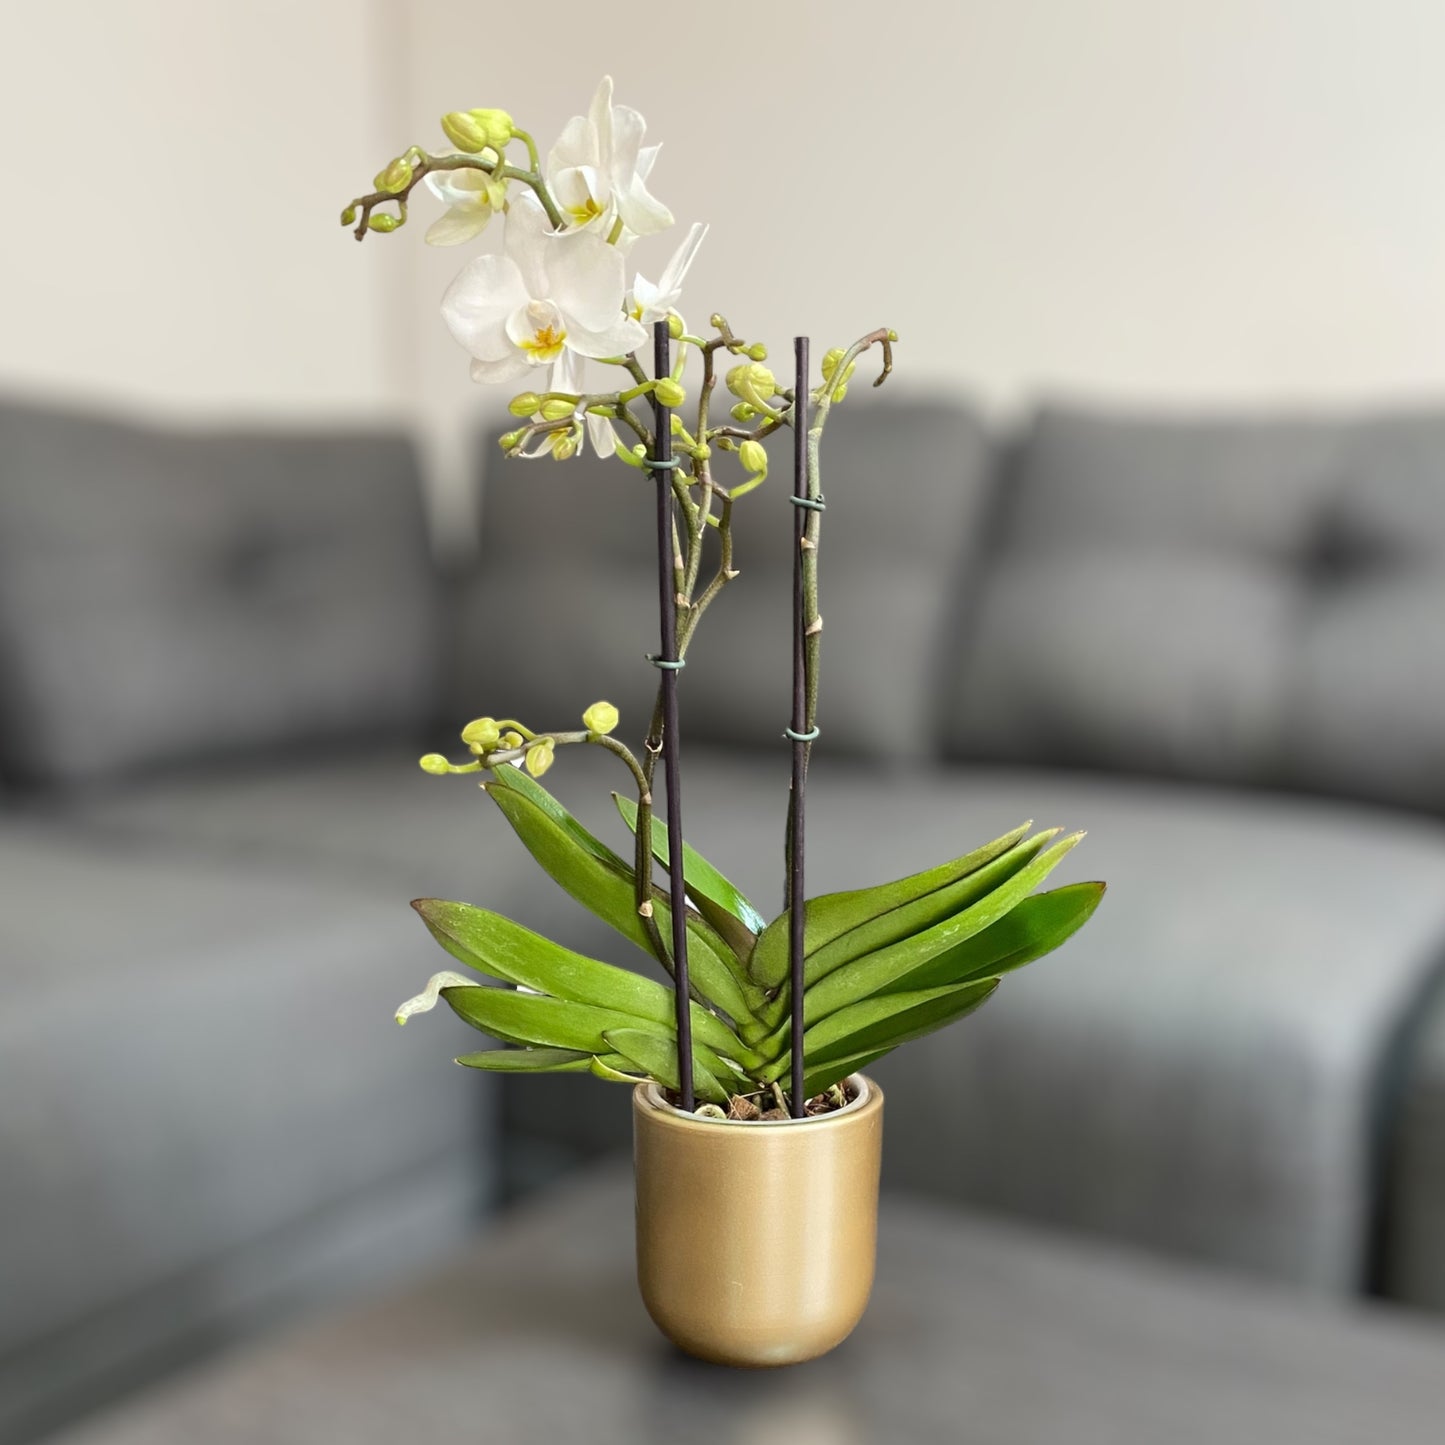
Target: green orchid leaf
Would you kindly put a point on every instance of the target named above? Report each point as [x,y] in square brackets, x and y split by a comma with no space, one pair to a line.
[1028,931]
[832,915]
[502,949]
[718,900]
[874,1022]
[817,1077]
[886,1022]
[519,781]
[892,966]
[658,1059]
[540,1021]
[528,1061]
[613,1068]
[606,889]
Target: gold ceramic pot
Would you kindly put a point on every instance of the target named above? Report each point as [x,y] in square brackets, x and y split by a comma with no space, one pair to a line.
[755,1241]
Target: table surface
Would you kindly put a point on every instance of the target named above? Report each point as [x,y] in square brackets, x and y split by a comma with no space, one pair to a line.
[978,1331]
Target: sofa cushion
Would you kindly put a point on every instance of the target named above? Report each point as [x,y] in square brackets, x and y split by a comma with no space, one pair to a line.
[208,1114]
[168,595]
[1237,600]
[1198,1071]
[568,553]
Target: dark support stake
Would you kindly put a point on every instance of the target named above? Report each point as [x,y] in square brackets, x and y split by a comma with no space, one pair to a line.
[797,918]
[667,610]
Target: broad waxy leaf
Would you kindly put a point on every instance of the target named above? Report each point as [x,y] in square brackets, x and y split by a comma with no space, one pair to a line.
[606,888]
[1031,929]
[831,915]
[658,1059]
[536,1019]
[528,1061]
[914,917]
[874,1022]
[502,949]
[818,1077]
[717,899]
[888,967]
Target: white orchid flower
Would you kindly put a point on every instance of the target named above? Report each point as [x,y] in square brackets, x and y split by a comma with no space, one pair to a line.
[549,294]
[648,303]
[472,197]
[598,170]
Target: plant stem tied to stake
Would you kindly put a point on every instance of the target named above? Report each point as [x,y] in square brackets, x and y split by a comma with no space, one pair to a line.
[801,728]
[662,463]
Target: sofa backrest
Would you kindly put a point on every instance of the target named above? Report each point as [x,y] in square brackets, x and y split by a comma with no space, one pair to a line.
[566,603]
[1243,600]
[170,595]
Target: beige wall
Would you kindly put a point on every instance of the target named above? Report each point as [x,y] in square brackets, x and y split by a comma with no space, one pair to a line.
[1201,199]
[1206,199]
[169,246]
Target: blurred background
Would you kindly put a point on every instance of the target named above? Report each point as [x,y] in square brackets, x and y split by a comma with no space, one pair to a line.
[1149,537]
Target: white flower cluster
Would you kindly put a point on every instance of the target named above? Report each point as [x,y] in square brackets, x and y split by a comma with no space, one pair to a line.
[557,295]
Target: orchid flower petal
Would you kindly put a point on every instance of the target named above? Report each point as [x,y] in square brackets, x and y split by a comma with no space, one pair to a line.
[477,303]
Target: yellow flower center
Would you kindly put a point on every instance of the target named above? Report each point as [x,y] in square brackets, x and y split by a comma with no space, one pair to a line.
[545,344]
[584,211]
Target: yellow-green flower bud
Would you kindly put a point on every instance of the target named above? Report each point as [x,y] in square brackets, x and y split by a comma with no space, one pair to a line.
[674,325]
[524,404]
[482,733]
[753,456]
[435,764]
[670,392]
[496,123]
[600,719]
[508,440]
[512,739]
[564,446]
[540,757]
[475,130]
[555,408]
[634,456]
[382,221]
[463,132]
[348,216]
[743,412]
[758,351]
[394,177]
[753,383]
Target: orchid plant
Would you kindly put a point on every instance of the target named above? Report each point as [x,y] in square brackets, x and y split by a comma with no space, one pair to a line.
[763,1018]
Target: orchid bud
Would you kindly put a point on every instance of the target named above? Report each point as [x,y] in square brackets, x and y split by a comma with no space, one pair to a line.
[753,456]
[753,383]
[634,456]
[743,412]
[482,734]
[669,392]
[600,719]
[348,216]
[394,177]
[675,426]
[511,740]
[524,404]
[475,130]
[674,325]
[382,221]
[758,351]
[435,764]
[508,440]
[540,757]
[564,446]
[555,408]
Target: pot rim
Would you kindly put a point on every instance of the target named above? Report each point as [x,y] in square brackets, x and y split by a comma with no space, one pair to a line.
[648,1095]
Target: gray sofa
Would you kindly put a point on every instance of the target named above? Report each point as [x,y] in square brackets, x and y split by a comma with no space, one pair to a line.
[1215,644]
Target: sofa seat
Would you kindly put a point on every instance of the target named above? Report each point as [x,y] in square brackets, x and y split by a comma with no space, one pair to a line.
[210,1119]
[1198,1071]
